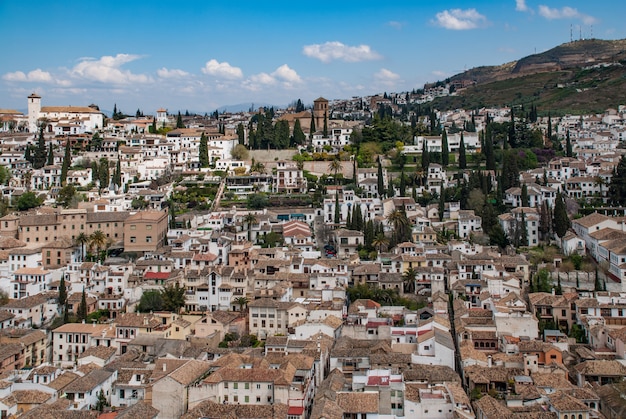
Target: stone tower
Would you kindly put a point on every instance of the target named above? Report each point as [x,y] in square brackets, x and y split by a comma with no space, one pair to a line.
[320,110]
[34,108]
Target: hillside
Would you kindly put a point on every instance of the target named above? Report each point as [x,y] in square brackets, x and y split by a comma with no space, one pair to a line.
[580,76]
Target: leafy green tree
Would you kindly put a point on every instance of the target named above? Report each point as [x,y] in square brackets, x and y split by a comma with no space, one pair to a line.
[173,297]
[27,201]
[204,151]
[240,152]
[462,156]
[5,175]
[66,196]
[151,300]
[257,201]
[497,236]
[561,222]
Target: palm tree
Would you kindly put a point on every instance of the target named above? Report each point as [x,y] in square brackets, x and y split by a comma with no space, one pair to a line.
[81,240]
[399,221]
[250,219]
[98,240]
[257,167]
[408,278]
[335,166]
[242,302]
[380,241]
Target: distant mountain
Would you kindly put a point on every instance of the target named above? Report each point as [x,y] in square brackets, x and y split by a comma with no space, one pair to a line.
[244,107]
[579,76]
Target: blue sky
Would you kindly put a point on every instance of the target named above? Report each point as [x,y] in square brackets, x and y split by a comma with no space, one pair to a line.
[200,55]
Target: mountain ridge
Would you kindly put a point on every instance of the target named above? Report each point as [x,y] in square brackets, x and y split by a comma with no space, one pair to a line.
[584,75]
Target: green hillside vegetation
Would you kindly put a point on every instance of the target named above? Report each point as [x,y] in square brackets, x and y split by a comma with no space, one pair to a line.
[577,77]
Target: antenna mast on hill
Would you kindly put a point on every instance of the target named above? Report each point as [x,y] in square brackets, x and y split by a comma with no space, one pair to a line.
[571,33]
[591,31]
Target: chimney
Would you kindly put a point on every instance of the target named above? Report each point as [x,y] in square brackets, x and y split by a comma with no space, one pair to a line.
[489,361]
[164,367]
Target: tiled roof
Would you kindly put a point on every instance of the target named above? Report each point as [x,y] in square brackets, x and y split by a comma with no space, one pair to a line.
[190,372]
[209,409]
[89,381]
[141,410]
[361,402]
[601,368]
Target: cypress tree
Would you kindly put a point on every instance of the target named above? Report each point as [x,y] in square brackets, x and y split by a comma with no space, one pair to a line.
[442,203]
[391,191]
[425,157]
[82,307]
[549,127]
[524,231]
[67,162]
[204,151]
[179,121]
[568,146]
[490,163]
[525,200]
[617,187]
[40,152]
[312,126]
[561,220]
[381,180]
[349,224]
[402,184]
[62,292]
[117,175]
[337,208]
[325,129]
[462,157]
[298,135]
[50,160]
[445,157]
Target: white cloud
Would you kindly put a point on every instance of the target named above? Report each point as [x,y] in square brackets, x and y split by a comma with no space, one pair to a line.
[440,74]
[520,6]
[37,75]
[566,13]
[222,70]
[395,24]
[335,50]
[458,19]
[171,74]
[386,75]
[108,69]
[288,75]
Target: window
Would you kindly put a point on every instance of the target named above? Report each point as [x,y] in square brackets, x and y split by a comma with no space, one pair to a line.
[148,239]
[246,399]
[247,386]
[133,239]
[235,386]
[149,227]
[133,226]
